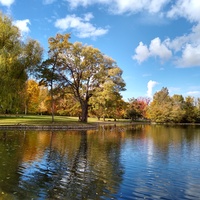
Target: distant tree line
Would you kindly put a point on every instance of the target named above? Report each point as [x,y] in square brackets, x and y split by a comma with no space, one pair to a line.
[165,109]
[175,109]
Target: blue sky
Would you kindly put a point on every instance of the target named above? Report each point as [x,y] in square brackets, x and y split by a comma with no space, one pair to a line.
[155,42]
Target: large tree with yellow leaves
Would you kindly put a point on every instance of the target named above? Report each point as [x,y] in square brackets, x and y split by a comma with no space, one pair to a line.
[81,70]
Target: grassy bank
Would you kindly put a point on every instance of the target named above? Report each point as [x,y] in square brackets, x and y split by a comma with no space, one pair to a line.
[47,120]
[37,120]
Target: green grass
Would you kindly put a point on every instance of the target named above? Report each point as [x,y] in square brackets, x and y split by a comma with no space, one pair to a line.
[37,120]
[47,120]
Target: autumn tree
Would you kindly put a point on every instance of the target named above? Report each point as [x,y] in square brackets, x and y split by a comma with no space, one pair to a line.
[191,111]
[197,104]
[84,69]
[32,97]
[43,99]
[134,112]
[173,109]
[160,108]
[48,73]
[67,104]
[177,111]
[137,108]
[14,64]
[117,108]
[107,102]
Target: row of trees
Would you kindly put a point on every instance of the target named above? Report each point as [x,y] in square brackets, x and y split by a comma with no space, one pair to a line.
[38,101]
[162,109]
[166,109]
[176,108]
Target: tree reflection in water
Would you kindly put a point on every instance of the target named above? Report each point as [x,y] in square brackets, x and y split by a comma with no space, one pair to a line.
[67,166]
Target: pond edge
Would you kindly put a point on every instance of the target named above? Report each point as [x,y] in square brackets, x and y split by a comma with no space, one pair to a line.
[47,127]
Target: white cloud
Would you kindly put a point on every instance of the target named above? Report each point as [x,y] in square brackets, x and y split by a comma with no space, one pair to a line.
[189,47]
[123,6]
[159,49]
[7,3]
[156,49]
[88,16]
[188,9]
[142,53]
[150,85]
[76,3]
[192,38]
[81,26]
[185,49]
[190,56]
[133,6]
[23,25]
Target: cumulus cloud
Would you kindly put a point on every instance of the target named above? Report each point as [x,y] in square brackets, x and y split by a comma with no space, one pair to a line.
[7,3]
[82,27]
[185,49]
[155,49]
[188,9]
[159,49]
[88,16]
[152,6]
[189,47]
[23,25]
[142,53]
[123,6]
[150,85]
[190,56]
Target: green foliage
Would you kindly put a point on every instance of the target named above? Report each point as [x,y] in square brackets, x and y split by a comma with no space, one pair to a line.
[16,58]
[107,102]
[80,70]
[190,109]
[173,109]
[67,105]
[32,96]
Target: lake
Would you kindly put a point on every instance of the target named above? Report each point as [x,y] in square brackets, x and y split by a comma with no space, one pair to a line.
[113,162]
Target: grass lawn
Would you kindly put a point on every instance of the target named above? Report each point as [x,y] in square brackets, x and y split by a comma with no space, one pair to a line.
[45,120]
[37,120]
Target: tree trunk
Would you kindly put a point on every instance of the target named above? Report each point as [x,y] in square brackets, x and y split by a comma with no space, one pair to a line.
[84,115]
[52,104]
[25,109]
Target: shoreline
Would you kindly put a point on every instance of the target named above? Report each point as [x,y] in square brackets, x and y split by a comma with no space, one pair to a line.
[48,127]
[93,126]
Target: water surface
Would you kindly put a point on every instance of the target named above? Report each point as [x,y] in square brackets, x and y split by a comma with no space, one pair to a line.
[126,162]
